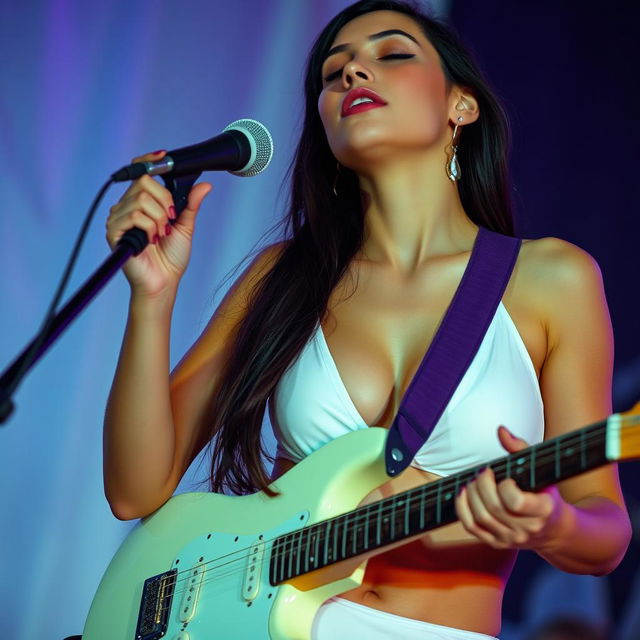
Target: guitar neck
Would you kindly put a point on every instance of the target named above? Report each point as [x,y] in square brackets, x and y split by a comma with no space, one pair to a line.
[432,505]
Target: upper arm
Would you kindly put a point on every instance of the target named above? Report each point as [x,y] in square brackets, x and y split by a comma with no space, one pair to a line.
[196,378]
[576,376]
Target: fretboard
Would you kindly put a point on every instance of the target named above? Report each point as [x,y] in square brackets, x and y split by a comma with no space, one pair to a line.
[431,505]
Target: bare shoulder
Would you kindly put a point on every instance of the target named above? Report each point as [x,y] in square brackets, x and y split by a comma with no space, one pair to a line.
[556,271]
[564,283]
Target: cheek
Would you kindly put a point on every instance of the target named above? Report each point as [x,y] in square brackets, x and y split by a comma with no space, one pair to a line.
[428,94]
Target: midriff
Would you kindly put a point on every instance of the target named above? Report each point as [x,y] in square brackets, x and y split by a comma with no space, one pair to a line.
[443,577]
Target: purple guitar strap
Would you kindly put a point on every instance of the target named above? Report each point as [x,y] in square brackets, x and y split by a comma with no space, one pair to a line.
[453,348]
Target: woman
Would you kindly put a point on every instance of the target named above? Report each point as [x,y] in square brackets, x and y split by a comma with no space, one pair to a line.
[381,226]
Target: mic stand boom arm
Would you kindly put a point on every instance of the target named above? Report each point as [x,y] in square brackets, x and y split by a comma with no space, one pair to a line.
[131,243]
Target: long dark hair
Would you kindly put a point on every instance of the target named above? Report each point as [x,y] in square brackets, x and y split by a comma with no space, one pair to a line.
[324,232]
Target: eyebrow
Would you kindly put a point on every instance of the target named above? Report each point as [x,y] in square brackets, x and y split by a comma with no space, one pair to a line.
[373,36]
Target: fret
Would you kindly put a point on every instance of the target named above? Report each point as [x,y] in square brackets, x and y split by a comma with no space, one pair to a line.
[315,551]
[379,522]
[290,553]
[583,451]
[326,543]
[283,557]
[307,548]
[508,467]
[356,521]
[520,462]
[366,528]
[345,530]
[298,551]
[439,503]
[336,532]
[392,520]
[422,507]
[406,514]
[532,469]
[398,503]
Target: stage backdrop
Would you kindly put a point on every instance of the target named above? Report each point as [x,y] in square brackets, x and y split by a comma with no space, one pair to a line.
[84,87]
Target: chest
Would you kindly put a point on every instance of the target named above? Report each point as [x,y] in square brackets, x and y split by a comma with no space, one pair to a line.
[379,326]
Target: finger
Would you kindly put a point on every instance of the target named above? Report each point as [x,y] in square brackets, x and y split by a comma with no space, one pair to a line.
[150,157]
[509,441]
[482,497]
[487,490]
[512,496]
[467,519]
[154,188]
[132,211]
[137,219]
[148,196]
[196,196]
[463,511]
[524,503]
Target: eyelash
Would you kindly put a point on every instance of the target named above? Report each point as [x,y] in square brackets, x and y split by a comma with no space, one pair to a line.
[389,56]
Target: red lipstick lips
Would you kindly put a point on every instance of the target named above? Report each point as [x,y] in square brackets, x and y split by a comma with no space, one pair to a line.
[366,99]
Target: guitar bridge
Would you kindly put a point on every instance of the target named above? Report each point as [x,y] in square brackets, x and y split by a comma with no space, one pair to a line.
[155,606]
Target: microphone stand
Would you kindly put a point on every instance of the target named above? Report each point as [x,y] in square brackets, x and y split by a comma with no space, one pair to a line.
[131,243]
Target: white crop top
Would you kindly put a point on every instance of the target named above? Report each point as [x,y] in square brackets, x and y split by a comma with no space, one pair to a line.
[310,405]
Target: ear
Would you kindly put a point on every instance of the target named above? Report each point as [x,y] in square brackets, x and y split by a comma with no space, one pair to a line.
[462,104]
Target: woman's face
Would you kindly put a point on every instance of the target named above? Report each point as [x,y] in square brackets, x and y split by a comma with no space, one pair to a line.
[384,63]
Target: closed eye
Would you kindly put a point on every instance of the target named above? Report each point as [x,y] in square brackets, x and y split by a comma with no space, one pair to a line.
[397,56]
[390,56]
[333,76]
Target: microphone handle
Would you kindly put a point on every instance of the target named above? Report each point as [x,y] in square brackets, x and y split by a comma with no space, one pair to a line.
[228,151]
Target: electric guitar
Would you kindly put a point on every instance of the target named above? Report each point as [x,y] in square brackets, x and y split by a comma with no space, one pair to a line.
[207,566]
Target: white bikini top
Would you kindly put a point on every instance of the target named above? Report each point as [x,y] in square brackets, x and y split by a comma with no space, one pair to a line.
[310,405]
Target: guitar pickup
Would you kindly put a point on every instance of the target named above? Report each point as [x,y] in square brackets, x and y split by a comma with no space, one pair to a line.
[251,583]
[191,592]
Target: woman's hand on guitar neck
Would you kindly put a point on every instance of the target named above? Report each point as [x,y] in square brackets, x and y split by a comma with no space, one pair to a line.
[149,206]
[505,517]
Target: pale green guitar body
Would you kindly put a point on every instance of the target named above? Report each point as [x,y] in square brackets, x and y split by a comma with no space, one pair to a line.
[222,547]
[254,567]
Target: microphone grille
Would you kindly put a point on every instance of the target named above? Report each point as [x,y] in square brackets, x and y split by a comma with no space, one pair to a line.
[261,144]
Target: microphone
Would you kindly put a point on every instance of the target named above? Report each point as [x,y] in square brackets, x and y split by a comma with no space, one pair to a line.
[244,148]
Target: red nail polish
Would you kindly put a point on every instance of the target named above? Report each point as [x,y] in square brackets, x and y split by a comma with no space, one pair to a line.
[155,239]
[167,230]
[172,212]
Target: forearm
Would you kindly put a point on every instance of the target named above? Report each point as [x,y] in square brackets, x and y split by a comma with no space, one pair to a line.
[139,435]
[591,537]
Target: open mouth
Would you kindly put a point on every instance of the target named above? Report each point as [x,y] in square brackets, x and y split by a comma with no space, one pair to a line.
[358,100]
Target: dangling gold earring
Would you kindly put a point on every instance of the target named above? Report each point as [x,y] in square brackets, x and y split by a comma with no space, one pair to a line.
[453,166]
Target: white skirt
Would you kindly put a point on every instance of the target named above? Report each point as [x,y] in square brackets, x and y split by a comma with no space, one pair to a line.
[340,619]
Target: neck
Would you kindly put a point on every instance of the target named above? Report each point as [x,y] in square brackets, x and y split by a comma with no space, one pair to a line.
[413,212]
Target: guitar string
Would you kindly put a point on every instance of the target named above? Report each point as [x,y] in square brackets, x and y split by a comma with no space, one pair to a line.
[591,434]
[358,519]
[215,574]
[230,570]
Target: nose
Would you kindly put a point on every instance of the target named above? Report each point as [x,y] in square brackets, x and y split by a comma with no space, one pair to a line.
[354,70]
